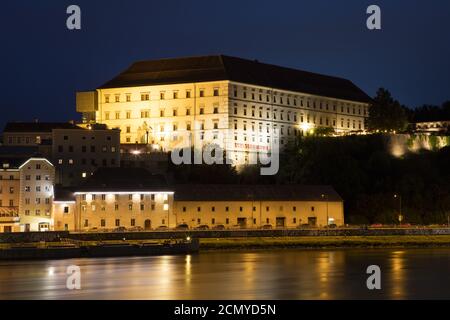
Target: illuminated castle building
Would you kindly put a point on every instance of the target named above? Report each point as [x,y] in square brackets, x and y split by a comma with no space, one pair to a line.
[245,106]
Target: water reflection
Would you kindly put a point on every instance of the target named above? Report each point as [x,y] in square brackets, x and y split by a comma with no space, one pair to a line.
[287,274]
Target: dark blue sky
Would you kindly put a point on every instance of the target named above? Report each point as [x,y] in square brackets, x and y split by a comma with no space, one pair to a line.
[44,64]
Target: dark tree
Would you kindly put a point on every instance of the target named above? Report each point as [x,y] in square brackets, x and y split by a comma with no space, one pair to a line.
[387,113]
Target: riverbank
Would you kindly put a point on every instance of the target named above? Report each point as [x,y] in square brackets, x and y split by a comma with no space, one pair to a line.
[324,242]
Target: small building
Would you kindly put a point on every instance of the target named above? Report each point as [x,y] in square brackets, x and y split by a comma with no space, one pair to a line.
[433,126]
[132,198]
[258,206]
[26,194]
[112,198]
[76,151]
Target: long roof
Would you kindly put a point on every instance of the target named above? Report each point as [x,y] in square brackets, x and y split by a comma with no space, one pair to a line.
[123,179]
[222,67]
[38,126]
[233,192]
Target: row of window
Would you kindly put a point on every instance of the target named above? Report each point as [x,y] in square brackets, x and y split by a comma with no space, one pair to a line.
[130,196]
[66,138]
[46,188]
[117,223]
[145,114]
[241,209]
[11,190]
[131,207]
[24,140]
[8,177]
[84,149]
[303,102]
[11,203]
[37,212]
[37,177]
[163,95]
[37,201]
[84,161]
[276,114]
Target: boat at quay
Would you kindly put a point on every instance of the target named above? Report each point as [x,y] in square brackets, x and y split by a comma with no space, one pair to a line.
[97,250]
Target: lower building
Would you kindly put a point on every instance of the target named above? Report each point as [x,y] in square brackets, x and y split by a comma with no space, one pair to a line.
[26,194]
[115,198]
[131,198]
[257,206]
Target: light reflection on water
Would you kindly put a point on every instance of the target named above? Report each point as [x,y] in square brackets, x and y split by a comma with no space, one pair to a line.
[284,274]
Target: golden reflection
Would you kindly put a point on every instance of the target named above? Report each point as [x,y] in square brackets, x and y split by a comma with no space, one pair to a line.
[187,267]
[249,266]
[398,274]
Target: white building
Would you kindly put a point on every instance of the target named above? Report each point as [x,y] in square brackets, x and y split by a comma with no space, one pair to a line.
[245,106]
[26,194]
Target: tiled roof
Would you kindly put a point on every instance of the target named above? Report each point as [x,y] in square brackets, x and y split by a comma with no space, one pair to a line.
[221,67]
[124,179]
[223,192]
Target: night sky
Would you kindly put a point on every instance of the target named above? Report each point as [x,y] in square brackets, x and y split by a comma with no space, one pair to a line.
[44,64]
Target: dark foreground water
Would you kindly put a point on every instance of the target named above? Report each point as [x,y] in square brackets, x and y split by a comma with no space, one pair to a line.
[287,274]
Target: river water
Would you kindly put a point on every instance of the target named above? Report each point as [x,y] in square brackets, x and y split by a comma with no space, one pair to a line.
[279,274]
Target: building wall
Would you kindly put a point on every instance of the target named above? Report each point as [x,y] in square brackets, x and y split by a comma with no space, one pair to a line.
[91,209]
[166,112]
[246,119]
[37,178]
[256,214]
[26,196]
[64,215]
[25,138]
[9,199]
[77,153]
[230,214]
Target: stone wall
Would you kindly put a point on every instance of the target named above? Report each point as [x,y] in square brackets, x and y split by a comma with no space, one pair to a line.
[55,236]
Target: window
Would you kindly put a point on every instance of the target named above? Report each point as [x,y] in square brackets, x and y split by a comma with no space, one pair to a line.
[216,92]
[133,222]
[128,97]
[128,114]
[216,110]
[175,94]
[188,112]
[117,96]
[145,96]
[117,222]
[66,209]
[188,94]
[106,98]
[102,223]
[162,95]
[202,93]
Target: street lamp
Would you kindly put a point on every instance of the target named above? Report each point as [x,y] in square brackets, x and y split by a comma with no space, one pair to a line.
[324,196]
[400,216]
